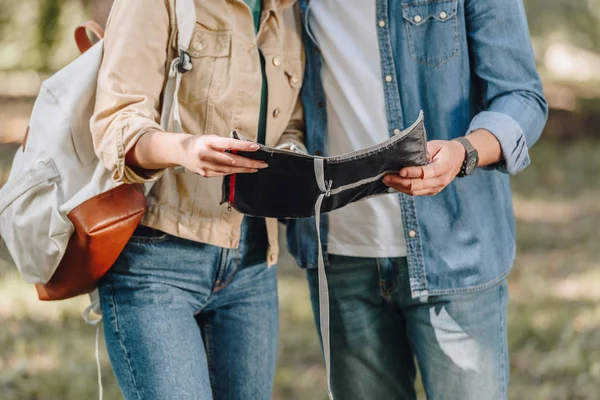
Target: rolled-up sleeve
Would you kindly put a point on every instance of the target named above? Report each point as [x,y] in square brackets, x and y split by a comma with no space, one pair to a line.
[130,83]
[513,106]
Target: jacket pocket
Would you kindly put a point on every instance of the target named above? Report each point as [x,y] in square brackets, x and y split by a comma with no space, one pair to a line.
[210,52]
[432,30]
[31,224]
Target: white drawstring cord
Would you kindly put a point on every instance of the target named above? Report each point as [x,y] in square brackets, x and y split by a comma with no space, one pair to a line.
[100,389]
[95,307]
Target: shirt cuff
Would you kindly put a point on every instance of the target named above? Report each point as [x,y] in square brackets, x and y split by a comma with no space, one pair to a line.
[510,135]
[127,174]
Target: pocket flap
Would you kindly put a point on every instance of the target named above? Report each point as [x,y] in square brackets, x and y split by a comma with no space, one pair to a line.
[210,44]
[418,12]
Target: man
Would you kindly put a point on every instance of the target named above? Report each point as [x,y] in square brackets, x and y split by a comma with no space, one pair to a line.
[420,274]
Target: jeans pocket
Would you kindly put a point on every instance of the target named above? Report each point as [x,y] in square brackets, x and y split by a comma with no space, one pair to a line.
[147,235]
[432,30]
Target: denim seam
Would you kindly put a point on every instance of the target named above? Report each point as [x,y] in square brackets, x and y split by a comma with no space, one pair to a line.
[382,291]
[231,276]
[472,289]
[121,337]
[378,148]
[393,101]
[220,271]
[208,349]
[423,2]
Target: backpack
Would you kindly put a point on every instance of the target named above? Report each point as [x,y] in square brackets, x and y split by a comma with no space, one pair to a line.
[62,217]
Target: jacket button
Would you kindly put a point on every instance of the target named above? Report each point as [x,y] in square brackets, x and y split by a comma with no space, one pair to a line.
[276,61]
[412,234]
[198,46]
[443,15]
[417,19]
[276,112]
[396,131]
[388,78]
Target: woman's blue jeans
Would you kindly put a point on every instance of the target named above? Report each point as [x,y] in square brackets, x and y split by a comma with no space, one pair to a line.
[184,320]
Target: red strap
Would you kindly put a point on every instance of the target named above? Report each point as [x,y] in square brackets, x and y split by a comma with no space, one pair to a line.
[81,37]
[232,184]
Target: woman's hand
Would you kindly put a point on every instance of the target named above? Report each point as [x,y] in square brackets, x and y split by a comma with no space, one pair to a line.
[207,156]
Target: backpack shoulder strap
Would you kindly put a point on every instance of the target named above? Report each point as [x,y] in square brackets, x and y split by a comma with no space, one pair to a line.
[185,12]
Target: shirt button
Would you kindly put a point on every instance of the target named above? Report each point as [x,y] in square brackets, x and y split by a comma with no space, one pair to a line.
[198,46]
[381,23]
[417,19]
[276,61]
[396,131]
[276,112]
[443,15]
[412,234]
[388,78]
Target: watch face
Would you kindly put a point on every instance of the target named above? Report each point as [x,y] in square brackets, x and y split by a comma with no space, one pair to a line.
[471,165]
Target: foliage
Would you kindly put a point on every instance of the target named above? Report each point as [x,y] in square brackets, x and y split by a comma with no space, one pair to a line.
[576,21]
[48,27]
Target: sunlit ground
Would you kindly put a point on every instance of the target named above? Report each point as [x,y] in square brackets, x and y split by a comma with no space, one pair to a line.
[47,351]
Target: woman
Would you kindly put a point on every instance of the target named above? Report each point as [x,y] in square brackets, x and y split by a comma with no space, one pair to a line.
[190,307]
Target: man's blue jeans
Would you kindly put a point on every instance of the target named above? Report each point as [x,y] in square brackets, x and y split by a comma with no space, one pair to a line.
[377,330]
[184,320]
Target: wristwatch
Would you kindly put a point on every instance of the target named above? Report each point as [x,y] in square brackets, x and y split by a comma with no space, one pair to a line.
[471,158]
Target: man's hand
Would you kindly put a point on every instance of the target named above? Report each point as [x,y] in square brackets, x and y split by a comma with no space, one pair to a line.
[447,160]
[447,157]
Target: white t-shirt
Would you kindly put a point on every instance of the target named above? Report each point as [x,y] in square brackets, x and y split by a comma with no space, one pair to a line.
[346,32]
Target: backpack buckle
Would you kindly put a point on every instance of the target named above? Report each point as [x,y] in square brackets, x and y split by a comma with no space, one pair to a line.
[185,62]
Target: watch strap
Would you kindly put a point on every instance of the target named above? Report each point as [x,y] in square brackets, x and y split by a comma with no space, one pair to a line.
[470,151]
[467,144]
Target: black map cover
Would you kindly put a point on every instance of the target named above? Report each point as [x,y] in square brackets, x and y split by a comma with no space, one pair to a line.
[292,184]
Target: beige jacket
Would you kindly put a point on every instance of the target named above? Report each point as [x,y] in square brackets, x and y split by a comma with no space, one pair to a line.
[220,94]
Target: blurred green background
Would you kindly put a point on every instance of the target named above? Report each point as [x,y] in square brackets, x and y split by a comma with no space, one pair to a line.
[47,351]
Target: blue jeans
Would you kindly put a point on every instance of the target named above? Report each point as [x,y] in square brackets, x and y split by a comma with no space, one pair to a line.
[377,330]
[185,320]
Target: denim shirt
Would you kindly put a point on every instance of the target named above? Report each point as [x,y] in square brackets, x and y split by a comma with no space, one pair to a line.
[468,64]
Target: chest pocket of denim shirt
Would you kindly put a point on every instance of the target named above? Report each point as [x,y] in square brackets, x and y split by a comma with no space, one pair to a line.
[432,30]
[210,57]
